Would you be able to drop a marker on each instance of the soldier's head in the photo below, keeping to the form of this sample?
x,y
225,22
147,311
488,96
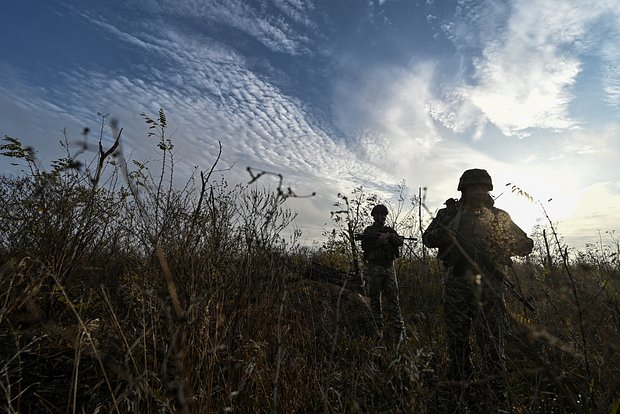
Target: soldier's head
x,y
475,185
379,213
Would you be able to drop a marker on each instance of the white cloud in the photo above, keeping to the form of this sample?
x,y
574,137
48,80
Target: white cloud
x,y
601,142
611,71
389,109
610,53
531,58
298,11
124,36
217,99
275,32
524,77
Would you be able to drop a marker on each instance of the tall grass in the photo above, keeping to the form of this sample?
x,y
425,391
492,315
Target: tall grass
x,y
124,292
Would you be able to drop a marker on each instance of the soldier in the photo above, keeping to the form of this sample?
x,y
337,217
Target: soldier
x,y
381,244
473,294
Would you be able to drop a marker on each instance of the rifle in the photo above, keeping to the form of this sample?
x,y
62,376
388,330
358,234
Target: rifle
x,y
484,263
375,236
360,237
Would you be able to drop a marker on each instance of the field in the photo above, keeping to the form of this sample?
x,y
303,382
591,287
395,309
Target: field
x,y
121,292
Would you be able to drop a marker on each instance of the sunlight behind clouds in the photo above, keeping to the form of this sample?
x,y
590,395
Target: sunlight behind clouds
x,y
597,209
531,190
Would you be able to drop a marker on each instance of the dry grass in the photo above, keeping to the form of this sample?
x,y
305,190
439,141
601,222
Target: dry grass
x,y
123,293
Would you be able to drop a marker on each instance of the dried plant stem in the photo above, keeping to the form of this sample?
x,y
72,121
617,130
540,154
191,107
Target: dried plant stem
x,y
276,378
172,287
580,310
90,340
118,327
338,316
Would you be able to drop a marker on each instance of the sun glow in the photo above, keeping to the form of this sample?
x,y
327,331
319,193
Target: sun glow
x,y
528,198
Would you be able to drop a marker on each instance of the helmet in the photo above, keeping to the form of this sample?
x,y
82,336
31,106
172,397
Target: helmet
x,y
475,176
379,208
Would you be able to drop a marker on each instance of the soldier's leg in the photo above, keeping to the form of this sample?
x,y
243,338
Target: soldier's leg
x,y
374,278
457,308
490,336
392,302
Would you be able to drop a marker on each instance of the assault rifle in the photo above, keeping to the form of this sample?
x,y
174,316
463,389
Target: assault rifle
x,y
484,263
360,237
374,236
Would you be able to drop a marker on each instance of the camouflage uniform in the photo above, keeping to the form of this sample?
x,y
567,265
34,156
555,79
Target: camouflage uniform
x,y
381,276
472,299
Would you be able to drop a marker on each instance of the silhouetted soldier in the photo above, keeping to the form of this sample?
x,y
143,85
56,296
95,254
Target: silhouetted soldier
x,y
380,244
473,292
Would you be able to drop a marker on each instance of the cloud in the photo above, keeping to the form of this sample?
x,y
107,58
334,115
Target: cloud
x,y
270,127
281,32
611,71
23,104
524,77
212,94
610,53
124,36
297,10
531,57
600,142
388,109
209,94
597,209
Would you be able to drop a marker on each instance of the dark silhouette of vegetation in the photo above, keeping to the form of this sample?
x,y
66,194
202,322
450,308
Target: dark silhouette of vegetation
x,y
123,292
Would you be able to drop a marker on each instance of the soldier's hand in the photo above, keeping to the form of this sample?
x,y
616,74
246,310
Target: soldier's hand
x,y
384,238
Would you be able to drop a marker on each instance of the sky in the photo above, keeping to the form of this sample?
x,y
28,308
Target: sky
x,y
337,94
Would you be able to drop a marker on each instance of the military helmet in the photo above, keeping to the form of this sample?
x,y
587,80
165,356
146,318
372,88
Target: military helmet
x,y
379,208
475,176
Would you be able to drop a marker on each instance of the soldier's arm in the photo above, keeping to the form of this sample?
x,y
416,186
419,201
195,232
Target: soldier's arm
x,y
395,239
523,244
434,234
520,244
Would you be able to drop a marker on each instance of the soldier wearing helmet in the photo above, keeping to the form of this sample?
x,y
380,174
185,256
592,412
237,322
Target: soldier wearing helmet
x,y
475,176
473,298
381,244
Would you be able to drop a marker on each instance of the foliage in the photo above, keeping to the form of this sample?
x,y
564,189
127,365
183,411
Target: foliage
x,y
123,292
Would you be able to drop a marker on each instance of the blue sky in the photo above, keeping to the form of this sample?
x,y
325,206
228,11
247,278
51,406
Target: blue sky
x,y
338,94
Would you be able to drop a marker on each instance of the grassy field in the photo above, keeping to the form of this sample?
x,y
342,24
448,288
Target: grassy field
x,y
121,292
